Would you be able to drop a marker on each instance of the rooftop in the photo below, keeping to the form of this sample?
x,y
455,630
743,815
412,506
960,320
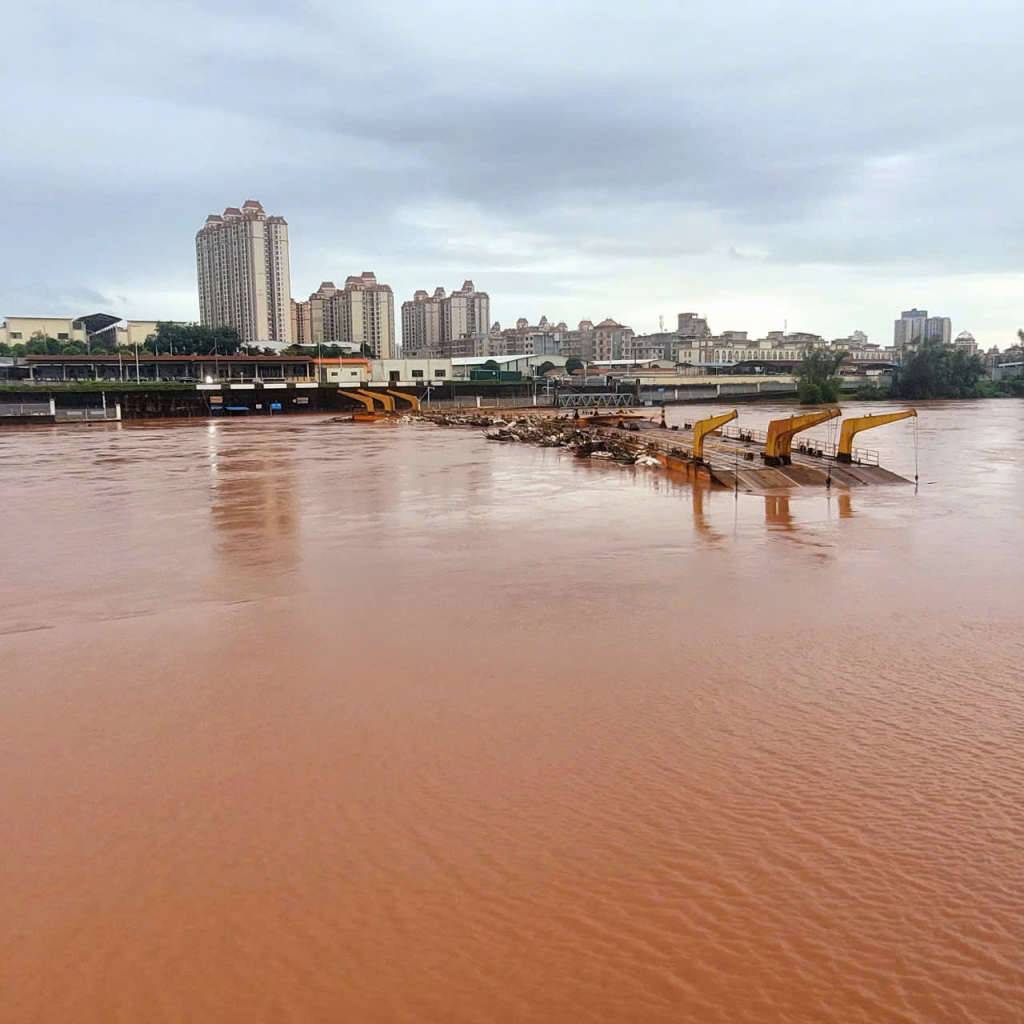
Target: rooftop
x,y
500,360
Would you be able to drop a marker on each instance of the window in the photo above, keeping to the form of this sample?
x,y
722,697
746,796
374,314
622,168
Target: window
x,y
15,334
439,373
62,337
417,373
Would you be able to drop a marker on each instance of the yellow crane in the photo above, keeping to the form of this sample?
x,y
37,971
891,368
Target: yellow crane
x,y
413,401
386,400
779,445
704,427
858,423
358,396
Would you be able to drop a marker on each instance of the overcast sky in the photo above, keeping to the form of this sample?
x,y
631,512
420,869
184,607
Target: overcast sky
x,y
817,163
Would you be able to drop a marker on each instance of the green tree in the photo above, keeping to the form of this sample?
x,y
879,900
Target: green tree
x,y
490,365
545,368
41,345
192,340
103,345
73,348
5,349
573,364
936,370
818,375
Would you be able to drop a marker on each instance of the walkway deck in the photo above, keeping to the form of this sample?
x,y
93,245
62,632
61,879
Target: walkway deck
x,y
728,464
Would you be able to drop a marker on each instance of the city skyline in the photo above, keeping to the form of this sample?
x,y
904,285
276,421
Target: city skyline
x,y
562,184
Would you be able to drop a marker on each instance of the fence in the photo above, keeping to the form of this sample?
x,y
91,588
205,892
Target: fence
x,y
804,445
88,415
474,402
25,409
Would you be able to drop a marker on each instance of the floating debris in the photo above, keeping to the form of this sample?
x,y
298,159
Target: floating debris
x,y
545,432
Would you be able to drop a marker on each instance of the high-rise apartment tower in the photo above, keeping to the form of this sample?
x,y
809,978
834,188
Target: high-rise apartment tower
x,y
243,273
434,323
363,312
915,325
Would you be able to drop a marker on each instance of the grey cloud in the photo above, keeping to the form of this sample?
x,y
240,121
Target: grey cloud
x,y
624,149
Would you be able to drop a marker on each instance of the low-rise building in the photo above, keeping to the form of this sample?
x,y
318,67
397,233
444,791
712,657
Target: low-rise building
x,y
199,370
343,372
527,365
114,331
411,371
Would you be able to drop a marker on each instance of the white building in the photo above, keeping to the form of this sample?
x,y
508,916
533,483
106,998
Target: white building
x,y
243,273
410,371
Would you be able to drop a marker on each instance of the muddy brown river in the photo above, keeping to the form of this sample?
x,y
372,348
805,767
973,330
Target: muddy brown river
x,y
319,723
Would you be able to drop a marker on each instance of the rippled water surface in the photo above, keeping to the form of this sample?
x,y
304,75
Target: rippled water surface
x,y
309,722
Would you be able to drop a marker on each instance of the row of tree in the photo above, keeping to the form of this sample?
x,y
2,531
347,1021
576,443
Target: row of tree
x,y
938,371
168,339
934,370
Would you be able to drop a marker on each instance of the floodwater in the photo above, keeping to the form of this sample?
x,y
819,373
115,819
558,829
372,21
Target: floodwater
x,y
308,722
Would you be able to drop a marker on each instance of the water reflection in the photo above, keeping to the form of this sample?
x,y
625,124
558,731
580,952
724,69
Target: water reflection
x,y
777,513
700,516
254,505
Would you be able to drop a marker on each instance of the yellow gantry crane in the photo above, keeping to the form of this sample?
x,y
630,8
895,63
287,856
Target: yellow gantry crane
x,y
858,423
704,427
779,445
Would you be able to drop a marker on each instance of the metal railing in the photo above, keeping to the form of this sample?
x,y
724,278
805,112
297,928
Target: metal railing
x,y
25,409
85,415
801,444
470,402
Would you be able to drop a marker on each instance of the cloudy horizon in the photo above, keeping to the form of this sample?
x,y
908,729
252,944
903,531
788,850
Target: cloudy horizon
x,y
823,168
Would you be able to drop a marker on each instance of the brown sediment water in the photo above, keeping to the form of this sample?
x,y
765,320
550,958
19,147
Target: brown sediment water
x,y
309,722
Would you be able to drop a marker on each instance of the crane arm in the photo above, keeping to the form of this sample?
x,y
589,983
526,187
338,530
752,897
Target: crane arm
x,y
358,396
386,400
856,424
780,434
704,427
413,401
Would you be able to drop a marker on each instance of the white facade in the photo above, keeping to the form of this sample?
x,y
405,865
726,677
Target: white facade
x,y
243,271
410,371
